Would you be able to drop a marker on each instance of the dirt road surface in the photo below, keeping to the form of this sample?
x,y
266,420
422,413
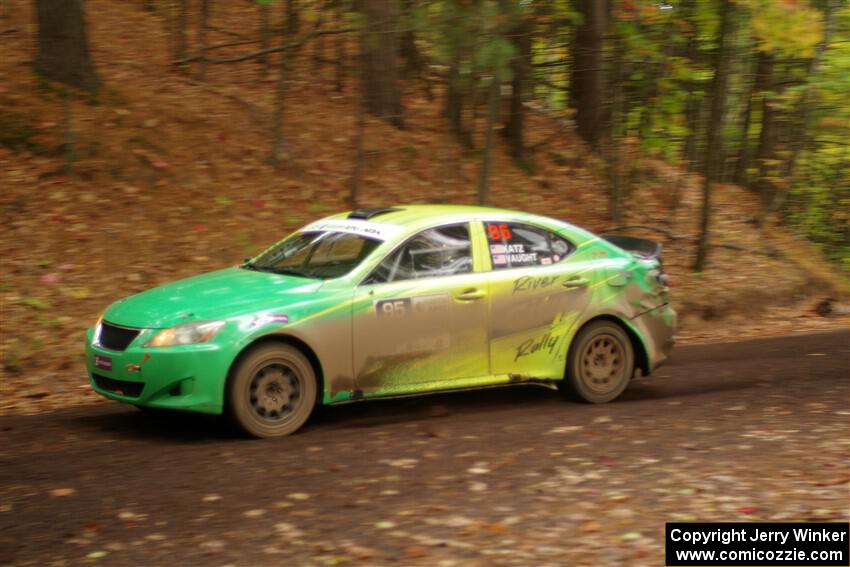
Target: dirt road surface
x,y
747,431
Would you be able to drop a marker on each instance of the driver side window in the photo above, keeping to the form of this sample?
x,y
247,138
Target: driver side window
x,y
441,251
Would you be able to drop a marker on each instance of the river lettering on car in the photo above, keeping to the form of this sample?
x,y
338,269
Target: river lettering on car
x,y
531,283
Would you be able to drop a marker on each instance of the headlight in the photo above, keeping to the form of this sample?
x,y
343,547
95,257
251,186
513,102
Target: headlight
x,y
186,334
97,327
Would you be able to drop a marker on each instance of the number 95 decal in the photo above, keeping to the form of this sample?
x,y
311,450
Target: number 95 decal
x,y
393,307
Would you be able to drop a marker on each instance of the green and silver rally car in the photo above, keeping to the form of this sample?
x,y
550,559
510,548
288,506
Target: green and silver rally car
x,y
391,302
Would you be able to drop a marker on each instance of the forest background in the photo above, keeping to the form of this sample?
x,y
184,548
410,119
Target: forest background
x,y
149,140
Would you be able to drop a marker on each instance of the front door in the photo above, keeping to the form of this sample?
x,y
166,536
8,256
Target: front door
x,y
420,319
537,293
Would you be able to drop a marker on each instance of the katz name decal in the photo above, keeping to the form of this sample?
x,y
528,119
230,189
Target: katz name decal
x,y
512,253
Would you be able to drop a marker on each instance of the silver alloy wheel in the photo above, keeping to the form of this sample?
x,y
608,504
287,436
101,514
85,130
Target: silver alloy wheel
x,y
272,390
275,392
602,363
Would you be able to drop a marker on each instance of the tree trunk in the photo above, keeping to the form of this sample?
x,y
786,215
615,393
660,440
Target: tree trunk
x,y
693,103
69,142
63,51
292,22
766,153
743,161
487,152
521,67
615,116
318,53
287,59
264,39
339,43
656,74
714,141
202,38
803,124
180,25
455,100
379,60
359,137
413,64
277,120
587,80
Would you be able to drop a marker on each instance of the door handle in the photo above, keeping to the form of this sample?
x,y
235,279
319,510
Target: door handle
x,y
471,294
576,282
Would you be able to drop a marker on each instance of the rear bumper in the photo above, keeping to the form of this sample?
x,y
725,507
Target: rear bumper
x,y
658,327
190,378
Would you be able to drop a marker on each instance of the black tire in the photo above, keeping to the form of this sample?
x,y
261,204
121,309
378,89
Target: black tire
x,y
600,364
272,391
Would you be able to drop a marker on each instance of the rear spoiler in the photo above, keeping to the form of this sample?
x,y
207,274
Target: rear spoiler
x,y
641,248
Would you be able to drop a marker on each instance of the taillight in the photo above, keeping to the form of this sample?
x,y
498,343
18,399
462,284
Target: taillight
x,y
660,277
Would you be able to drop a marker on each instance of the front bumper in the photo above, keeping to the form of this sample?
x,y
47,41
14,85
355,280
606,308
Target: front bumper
x,y
188,377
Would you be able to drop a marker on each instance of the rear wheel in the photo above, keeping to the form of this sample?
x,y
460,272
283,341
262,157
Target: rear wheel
x,y
272,391
600,364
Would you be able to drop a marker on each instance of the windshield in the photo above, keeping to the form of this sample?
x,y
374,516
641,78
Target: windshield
x,y
315,254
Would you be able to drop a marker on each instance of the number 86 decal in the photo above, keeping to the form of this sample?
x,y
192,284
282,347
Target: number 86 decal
x,y
499,232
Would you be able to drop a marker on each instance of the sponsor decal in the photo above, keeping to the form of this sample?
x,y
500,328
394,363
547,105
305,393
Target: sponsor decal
x,y
377,230
503,254
103,362
507,248
547,342
393,307
525,259
404,306
499,231
424,344
271,319
531,283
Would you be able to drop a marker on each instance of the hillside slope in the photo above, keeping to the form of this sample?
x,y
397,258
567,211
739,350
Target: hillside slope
x,y
172,179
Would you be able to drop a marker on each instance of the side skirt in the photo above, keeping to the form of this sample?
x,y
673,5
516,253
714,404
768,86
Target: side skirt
x,y
358,395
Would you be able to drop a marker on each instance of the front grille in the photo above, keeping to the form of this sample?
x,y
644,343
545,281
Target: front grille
x,y
116,338
129,389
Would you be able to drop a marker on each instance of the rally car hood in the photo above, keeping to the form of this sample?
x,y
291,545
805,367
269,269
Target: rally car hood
x,y
214,295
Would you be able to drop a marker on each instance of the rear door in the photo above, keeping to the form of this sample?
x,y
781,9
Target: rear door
x,y
537,293
420,318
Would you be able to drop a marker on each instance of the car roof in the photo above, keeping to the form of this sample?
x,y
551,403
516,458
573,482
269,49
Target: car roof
x,y
414,217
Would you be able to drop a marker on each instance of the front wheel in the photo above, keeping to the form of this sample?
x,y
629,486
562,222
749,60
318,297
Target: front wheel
x,y
600,364
272,391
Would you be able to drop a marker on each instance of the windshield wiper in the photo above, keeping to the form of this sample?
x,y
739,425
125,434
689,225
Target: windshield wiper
x,y
288,272
279,271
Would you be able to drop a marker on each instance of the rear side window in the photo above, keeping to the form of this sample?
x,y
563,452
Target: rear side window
x,y
441,251
516,245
